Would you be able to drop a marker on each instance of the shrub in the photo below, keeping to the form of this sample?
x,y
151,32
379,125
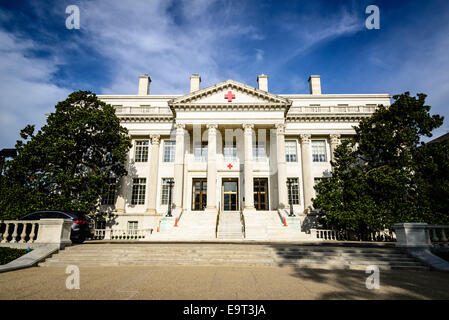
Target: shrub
x,y
9,254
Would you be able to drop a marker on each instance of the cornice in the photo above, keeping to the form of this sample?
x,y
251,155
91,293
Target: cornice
x,y
233,107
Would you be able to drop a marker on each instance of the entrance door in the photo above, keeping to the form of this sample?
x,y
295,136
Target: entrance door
x,y
199,194
261,193
230,195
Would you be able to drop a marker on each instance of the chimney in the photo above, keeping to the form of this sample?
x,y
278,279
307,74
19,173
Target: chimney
x,y
144,85
262,81
195,80
315,84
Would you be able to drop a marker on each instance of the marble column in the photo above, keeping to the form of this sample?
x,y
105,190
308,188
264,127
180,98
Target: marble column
x,y
281,167
152,179
120,203
179,166
211,167
248,167
335,140
306,164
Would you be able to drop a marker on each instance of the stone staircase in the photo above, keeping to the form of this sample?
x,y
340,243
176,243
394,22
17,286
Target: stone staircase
x,y
192,225
298,255
268,226
230,226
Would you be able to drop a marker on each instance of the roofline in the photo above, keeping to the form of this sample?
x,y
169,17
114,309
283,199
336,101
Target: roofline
x,y
339,95
141,97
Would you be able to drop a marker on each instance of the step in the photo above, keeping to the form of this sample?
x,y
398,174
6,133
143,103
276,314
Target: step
x,y
229,254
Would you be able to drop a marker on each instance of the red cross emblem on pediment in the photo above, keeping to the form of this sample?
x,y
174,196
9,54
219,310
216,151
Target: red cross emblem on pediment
x,y
229,96
229,166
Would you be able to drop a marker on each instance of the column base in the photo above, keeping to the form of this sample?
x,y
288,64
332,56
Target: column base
x,y
211,210
249,210
151,212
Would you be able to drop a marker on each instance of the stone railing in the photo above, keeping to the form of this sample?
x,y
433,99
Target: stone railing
x,y
335,109
335,235
323,234
438,235
24,231
99,234
121,234
44,231
421,235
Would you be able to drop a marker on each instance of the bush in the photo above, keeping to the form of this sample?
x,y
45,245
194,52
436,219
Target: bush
x,y
9,254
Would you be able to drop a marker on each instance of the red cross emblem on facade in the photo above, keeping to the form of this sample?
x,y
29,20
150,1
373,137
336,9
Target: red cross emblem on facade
x,y
229,96
229,166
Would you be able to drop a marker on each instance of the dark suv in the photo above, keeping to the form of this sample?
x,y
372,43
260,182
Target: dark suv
x,y
80,226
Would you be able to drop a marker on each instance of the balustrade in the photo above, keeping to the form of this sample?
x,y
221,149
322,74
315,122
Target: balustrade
x,y
437,235
18,231
335,235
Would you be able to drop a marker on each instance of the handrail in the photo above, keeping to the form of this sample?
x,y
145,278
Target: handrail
x,y
242,220
218,218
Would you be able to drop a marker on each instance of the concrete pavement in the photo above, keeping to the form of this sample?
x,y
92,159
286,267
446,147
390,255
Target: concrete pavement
x,y
219,282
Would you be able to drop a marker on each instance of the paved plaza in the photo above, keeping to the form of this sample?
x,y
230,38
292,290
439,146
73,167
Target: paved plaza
x,y
220,282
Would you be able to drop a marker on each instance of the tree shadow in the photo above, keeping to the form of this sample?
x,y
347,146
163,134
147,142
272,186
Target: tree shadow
x,y
340,282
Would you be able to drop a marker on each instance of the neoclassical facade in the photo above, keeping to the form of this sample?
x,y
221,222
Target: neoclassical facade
x,y
229,147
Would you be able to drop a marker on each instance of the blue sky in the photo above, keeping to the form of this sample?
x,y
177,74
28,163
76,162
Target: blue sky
x,y
41,61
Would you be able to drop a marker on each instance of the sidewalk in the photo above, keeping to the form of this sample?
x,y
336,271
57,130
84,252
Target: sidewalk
x,y
219,282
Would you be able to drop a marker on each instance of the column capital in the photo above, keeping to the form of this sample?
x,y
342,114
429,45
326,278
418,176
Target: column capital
x,y
305,138
155,138
280,128
180,126
212,126
248,126
334,138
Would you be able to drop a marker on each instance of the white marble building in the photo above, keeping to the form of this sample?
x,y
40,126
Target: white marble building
x,y
229,147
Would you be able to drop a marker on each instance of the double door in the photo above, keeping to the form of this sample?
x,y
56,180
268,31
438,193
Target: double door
x,y
199,194
261,193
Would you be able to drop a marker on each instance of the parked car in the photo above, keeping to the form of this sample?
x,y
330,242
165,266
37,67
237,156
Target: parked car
x,y
80,227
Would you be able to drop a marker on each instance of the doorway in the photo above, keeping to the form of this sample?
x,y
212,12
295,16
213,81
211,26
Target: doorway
x,y
261,193
230,194
199,194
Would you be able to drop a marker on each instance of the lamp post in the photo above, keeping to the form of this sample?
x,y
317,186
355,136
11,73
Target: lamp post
x,y
170,187
290,200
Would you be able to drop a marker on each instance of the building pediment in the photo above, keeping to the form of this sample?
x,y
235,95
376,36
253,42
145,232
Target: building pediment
x,y
229,94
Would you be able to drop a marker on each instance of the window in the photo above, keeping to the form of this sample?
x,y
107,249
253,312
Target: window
x,y
259,151
165,188
138,195
200,151
109,187
319,151
290,151
293,190
230,150
169,151
132,227
141,154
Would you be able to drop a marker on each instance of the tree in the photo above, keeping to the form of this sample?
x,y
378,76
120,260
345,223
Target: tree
x,y
66,164
383,174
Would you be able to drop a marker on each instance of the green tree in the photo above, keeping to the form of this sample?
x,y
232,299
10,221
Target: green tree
x,y
66,164
384,175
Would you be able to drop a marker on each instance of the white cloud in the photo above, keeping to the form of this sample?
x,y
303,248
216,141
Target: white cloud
x,y
259,55
26,91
